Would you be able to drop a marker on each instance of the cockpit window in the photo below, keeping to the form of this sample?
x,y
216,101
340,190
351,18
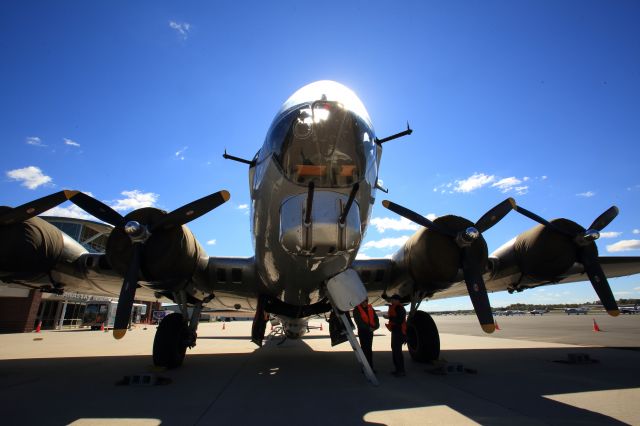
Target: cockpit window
x,y
324,143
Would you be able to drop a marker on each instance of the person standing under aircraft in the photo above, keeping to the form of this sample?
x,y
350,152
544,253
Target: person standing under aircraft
x,y
367,322
398,326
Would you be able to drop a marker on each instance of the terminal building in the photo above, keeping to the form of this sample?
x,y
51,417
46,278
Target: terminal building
x,y
22,308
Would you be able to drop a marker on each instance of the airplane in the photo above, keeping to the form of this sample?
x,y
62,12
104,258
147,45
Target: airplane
x,y
312,185
630,309
577,311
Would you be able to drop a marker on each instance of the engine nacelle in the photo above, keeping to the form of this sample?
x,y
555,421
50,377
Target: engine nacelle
x,y
29,249
170,256
545,254
432,258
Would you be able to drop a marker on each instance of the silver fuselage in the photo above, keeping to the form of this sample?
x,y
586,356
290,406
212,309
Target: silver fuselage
x,y
293,258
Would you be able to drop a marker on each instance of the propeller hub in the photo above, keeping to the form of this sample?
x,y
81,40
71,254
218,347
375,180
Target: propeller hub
x,y
471,233
136,231
591,235
467,237
132,228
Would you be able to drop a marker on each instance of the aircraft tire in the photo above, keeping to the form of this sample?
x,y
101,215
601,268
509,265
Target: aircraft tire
x,y
169,345
423,339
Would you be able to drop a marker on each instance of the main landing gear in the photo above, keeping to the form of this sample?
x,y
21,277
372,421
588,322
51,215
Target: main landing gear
x,y
423,339
171,341
175,334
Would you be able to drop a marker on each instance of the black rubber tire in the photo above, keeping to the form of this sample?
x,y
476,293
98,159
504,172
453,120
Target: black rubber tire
x,y
169,344
423,339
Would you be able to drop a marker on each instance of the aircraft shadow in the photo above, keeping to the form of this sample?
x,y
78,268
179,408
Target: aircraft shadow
x,y
281,383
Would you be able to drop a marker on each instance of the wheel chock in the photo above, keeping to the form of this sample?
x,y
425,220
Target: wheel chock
x,y
448,368
578,358
144,379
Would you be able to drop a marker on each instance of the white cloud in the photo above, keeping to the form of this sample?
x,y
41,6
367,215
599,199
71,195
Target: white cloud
x,y
521,190
473,182
243,206
479,180
624,245
386,243
180,153
70,142
363,256
636,288
507,184
34,140
610,234
401,224
587,194
181,28
636,231
135,200
69,211
211,242
31,177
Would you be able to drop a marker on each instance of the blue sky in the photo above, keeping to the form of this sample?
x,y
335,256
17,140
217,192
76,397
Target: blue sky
x,y
136,101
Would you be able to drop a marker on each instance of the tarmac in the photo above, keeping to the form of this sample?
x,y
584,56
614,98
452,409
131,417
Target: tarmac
x,y
518,375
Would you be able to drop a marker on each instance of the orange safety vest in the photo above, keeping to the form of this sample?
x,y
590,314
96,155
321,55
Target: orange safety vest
x,y
368,316
392,313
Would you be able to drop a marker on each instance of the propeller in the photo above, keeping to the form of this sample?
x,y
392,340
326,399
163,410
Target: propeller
x,y
471,265
584,241
139,233
35,207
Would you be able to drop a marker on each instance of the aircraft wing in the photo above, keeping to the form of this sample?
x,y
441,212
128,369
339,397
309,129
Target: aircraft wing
x,y
386,276
377,276
44,257
501,281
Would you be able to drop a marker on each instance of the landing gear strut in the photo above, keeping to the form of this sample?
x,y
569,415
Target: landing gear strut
x,y
176,333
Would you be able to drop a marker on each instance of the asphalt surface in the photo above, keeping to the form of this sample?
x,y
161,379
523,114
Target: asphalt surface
x,y
71,378
620,331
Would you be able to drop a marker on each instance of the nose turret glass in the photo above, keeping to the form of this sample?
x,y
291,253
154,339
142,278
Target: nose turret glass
x,y
324,143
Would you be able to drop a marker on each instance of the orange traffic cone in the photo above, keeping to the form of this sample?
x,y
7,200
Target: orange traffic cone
x,y
39,327
101,326
595,326
497,326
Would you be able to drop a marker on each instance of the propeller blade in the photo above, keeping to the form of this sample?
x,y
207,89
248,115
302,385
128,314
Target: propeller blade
x,y
532,215
477,292
599,282
127,294
97,209
542,221
192,211
604,219
495,215
416,218
35,207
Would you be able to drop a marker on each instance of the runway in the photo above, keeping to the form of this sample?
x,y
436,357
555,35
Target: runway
x,y
69,377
